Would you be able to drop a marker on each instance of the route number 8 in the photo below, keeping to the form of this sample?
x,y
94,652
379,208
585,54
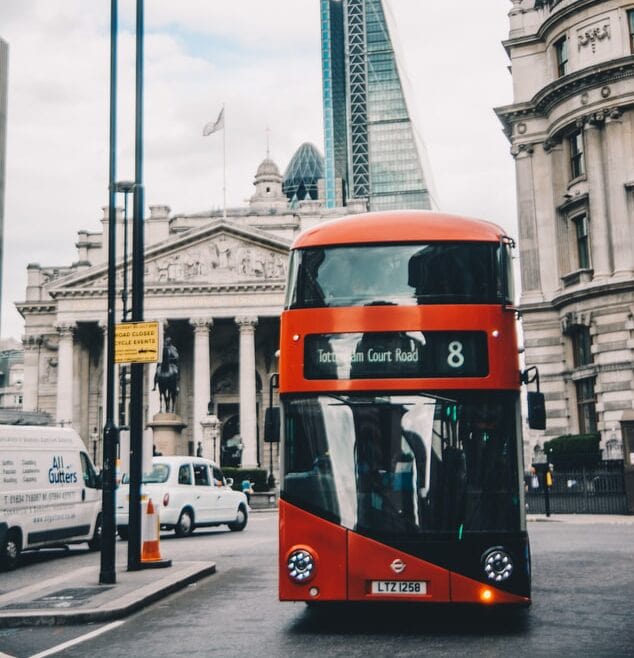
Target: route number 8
x,y
456,357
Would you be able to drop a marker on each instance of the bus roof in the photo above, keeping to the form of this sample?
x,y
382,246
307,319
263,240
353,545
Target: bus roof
x,y
398,226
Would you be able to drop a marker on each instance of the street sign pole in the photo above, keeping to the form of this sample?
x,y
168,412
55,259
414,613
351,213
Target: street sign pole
x,y
107,573
136,396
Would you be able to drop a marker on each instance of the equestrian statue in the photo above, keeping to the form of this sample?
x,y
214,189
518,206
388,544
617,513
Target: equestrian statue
x,y
167,376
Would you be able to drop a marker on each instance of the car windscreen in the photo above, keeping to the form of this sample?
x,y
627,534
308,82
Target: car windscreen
x,y
398,274
159,474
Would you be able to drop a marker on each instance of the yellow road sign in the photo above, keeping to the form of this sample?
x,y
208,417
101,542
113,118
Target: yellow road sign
x,y
136,342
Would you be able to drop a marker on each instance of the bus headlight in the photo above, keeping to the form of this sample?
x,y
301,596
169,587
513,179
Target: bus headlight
x,y
497,564
301,565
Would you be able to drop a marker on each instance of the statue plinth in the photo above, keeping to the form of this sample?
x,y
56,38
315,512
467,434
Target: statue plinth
x,y
166,430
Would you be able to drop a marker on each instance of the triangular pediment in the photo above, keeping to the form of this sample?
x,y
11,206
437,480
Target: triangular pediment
x,y
220,253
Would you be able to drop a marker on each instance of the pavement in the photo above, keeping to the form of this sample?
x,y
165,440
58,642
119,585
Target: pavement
x,y
583,519
77,597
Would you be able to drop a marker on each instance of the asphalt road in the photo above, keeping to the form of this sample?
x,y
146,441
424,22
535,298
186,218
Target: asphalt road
x,y
583,592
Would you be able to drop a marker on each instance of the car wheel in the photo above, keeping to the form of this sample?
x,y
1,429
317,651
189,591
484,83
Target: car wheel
x,y
10,554
122,531
241,520
185,524
94,544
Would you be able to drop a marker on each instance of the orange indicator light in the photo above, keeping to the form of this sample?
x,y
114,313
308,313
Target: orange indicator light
x,y
486,595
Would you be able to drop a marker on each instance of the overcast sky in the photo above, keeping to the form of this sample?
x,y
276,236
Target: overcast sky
x,y
261,58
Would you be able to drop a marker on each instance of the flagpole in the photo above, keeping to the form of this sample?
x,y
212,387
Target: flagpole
x,y
224,165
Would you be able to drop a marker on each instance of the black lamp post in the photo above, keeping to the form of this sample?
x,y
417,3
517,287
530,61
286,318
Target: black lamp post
x,y
107,572
125,187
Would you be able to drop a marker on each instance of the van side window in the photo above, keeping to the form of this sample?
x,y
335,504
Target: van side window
x,y
185,474
201,475
88,472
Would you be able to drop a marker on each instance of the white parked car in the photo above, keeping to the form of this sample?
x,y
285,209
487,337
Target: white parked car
x,y
189,492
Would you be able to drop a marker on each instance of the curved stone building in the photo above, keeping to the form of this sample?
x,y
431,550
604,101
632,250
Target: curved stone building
x,y
571,128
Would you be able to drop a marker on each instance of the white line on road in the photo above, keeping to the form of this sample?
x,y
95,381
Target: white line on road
x,y
78,640
5,655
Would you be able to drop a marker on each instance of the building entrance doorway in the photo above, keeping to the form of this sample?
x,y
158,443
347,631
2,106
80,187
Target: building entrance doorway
x,y
230,442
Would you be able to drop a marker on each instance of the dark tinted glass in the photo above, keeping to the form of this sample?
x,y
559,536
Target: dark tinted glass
x,y
407,274
405,464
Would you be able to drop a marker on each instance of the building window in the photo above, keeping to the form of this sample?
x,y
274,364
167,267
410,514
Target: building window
x,y
581,346
583,241
630,22
586,405
561,51
577,161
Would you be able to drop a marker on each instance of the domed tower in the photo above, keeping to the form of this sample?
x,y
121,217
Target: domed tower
x,y
268,197
303,173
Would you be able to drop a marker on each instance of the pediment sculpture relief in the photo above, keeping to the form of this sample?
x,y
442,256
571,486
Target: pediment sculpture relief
x,y
222,260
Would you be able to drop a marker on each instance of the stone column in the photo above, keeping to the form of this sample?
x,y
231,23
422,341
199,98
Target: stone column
x,y
64,414
527,222
618,136
153,398
599,229
32,345
104,380
202,384
248,416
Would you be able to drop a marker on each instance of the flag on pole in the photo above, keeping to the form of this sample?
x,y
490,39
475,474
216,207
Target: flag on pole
x,y
214,126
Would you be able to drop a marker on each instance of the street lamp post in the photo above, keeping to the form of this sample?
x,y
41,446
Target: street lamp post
x,y
211,427
125,187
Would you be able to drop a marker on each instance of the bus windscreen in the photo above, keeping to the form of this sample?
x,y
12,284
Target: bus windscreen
x,y
399,274
404,464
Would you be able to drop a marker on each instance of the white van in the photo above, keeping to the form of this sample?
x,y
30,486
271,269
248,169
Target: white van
x,y
49,491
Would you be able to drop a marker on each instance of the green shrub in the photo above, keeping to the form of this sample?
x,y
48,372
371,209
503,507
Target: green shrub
x,y
257,475
573,450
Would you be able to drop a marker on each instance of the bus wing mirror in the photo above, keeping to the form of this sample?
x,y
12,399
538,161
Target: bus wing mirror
x,y
535,399
536,410
272,425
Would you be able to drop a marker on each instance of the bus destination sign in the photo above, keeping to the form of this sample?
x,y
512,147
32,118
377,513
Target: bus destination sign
x,y
398,354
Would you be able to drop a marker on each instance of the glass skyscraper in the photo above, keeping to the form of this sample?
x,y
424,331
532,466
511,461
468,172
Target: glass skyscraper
x,y
370,145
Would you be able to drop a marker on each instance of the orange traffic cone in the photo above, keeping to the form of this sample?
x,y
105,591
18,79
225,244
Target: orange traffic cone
x,y
150,549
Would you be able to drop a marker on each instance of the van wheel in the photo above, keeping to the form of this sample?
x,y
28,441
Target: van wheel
x,y
185,524
241,520
94,544
10,554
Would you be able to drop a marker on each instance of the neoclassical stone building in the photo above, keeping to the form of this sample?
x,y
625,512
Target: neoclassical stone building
x,y
216,286
571,128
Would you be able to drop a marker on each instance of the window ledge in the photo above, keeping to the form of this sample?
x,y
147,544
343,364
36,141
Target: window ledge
x,y
577,179
579,276
584,372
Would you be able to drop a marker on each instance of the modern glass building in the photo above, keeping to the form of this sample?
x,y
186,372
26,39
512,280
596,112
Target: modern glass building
x,y
370,142
301,178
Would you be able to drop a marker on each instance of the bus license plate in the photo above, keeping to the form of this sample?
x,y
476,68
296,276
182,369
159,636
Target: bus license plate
x,y
399,587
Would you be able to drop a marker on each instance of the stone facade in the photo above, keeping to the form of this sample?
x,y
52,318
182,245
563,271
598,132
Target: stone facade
x,y
216,286
571,129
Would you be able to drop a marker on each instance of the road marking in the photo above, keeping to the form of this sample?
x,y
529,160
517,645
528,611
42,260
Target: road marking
x,y
78,640
5,655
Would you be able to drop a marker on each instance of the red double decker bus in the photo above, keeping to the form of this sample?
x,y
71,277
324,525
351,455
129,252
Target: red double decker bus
x,y
401,471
